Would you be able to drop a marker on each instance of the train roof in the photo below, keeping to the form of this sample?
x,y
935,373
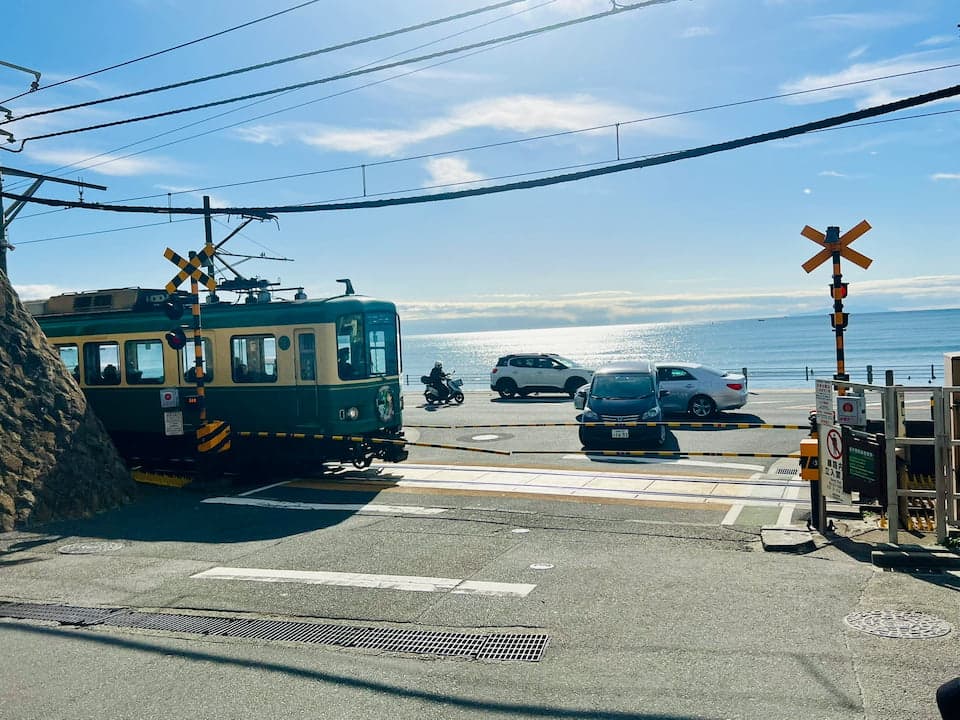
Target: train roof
x,y
142,308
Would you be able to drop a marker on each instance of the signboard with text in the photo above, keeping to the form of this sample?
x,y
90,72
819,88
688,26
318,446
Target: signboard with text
x,y
825,405
864,465
831,463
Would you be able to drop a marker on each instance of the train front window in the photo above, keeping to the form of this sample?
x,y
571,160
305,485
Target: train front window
x,y
253,358
367,345
70,355
143,362
101,362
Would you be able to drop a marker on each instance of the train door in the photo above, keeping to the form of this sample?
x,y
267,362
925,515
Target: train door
x,y
306,374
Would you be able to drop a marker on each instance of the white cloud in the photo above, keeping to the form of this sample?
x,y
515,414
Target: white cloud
x,y
856,52
807,191
449,171
937,40
861,21
523,114
832,173
866,94
945,176
38,292
104,164
697,31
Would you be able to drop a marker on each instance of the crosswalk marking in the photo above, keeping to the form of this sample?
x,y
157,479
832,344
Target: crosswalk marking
x,y
341,507
409,583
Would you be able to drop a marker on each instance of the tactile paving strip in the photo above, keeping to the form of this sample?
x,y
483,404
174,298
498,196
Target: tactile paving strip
x,y
526,647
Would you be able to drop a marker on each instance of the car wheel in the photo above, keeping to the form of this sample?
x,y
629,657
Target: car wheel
x,y
507,388
702,407
574,384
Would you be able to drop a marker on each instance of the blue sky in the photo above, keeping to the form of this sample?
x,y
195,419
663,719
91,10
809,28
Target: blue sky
x,y
709,238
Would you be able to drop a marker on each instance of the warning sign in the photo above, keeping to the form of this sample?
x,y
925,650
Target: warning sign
x,y
831,464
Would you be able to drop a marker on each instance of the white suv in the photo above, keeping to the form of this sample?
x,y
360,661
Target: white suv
x,y
526,373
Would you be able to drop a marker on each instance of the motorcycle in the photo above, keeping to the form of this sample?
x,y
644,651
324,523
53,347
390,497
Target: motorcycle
x,y
452,385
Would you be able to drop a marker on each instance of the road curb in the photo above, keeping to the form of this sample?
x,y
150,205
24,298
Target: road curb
x,y
933,558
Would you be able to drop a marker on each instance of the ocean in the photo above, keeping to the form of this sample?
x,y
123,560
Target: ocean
x,y
785,352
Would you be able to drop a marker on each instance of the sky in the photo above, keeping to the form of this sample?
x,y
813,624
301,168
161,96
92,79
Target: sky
x,y
708,238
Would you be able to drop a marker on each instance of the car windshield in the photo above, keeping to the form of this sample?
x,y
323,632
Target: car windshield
x,y
623,385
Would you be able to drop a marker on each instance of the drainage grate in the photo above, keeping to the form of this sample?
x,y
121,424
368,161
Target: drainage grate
x,y
898,624
529,648
504,646
65,614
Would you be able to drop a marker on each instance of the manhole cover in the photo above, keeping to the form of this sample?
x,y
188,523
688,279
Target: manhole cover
x,y
89,548
898,624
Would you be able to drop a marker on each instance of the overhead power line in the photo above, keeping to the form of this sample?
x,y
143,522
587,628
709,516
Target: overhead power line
x,y
664,159
617,9
271,63
162,52
486,146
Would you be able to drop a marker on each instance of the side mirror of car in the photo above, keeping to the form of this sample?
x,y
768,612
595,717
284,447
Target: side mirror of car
x,y
579,400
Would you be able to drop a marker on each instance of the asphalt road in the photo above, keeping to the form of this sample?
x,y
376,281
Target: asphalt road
x,y
652,609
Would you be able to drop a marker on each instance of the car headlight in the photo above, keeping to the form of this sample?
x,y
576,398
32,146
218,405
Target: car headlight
x,y
651,413
350,413
590,416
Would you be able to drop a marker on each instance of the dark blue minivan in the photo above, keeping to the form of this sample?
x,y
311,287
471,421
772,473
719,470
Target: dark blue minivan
x,y
622,392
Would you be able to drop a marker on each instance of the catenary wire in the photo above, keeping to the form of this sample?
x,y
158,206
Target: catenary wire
x,y
343,76
162,52
718,106
290,107
271,63
500,177
701,151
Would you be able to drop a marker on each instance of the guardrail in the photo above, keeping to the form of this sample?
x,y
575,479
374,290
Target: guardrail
x,y
774,375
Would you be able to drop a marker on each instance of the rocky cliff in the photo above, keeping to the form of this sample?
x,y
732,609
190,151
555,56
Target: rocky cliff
x,y
56,460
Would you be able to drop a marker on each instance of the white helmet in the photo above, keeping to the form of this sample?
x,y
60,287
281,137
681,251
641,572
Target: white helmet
x,y
438,364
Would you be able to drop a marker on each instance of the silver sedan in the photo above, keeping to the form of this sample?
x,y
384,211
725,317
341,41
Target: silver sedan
x,y
699,390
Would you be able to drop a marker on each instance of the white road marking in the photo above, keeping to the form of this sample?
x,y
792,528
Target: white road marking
x,y
643,460
786,511
408,583
343,507
261,489
732,514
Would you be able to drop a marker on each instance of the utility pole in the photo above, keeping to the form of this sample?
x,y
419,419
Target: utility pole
x,y
7,216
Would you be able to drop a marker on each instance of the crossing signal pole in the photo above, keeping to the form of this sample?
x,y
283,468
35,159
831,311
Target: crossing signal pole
x,y
836,246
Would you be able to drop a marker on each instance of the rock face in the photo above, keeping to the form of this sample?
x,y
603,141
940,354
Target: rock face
x,y
56,459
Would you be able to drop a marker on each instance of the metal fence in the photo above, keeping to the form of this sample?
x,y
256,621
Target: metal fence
x,y
777,376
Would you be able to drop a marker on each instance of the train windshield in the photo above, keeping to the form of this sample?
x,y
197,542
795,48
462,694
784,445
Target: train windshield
x,y
367,345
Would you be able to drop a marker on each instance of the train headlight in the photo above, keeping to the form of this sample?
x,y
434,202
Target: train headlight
x,y
351,413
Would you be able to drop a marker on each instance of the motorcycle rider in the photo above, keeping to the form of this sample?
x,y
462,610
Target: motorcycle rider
x,y
437,378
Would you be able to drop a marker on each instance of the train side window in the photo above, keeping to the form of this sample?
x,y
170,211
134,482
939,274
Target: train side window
x,y
143,362
188,359
253,358
70,356
100,363
306,346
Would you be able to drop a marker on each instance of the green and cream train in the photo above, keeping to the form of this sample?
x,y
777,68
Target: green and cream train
x,y
299,383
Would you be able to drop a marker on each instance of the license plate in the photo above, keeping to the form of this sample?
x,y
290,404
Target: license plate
x,y
619,433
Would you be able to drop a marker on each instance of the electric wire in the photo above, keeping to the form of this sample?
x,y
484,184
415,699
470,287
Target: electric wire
x,y
290,107
444,185
271,63
617,9
679,113
701,151
162,52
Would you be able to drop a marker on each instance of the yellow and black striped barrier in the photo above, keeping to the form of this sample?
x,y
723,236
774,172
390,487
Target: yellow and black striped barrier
x,y
373,441
695,425
213,437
